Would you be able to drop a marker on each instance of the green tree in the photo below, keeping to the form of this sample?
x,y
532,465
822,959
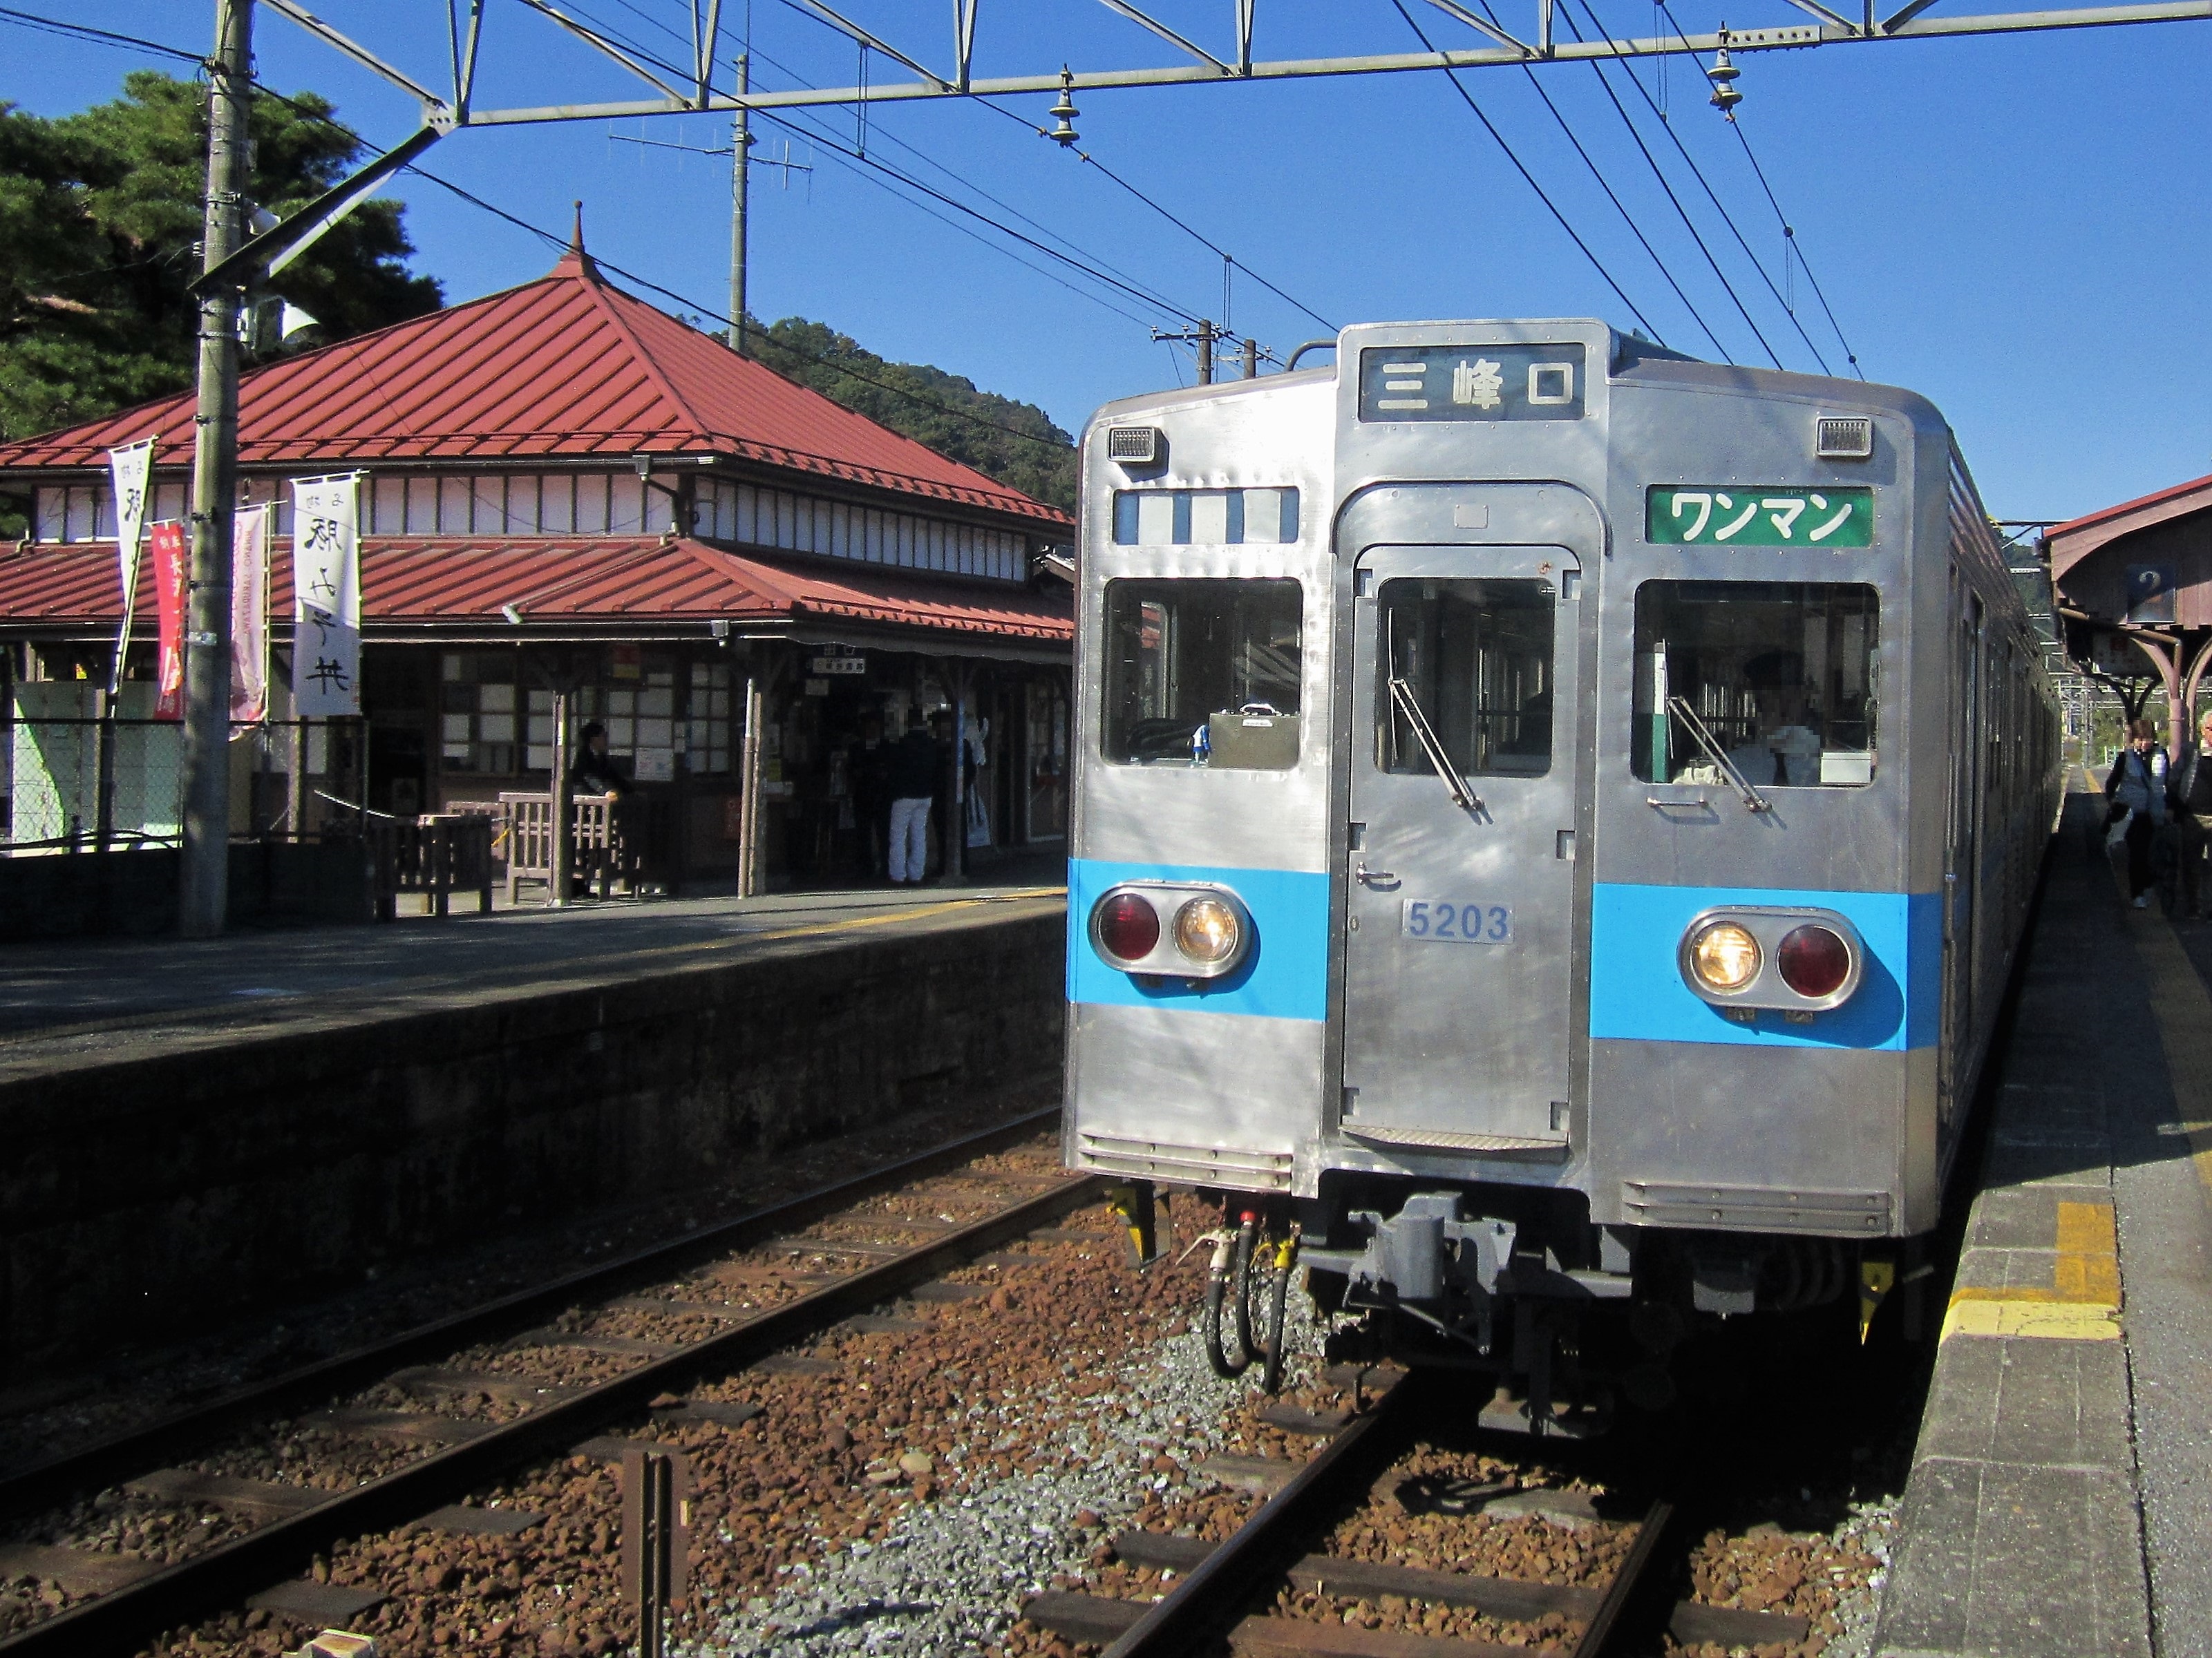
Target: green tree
x,y
1041,464
100,214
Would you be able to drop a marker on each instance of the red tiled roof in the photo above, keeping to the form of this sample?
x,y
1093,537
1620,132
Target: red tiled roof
x,y
408,582
2075,539
564,366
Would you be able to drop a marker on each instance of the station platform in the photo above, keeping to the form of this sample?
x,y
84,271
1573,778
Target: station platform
x,y
195,1129
98,995
2060,1493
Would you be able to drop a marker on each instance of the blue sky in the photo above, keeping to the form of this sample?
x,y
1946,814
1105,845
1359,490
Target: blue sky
x,y
2017,227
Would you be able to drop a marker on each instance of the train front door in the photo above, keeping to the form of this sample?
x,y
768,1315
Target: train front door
x,y
1458,957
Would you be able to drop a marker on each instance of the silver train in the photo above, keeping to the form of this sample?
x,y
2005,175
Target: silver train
x,y
1553,820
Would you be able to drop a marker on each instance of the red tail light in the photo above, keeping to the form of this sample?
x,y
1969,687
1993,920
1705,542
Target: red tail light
x,y
1814,961
1125,927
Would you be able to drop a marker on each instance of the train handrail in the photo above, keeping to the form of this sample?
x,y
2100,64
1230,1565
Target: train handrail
x,y
1311,345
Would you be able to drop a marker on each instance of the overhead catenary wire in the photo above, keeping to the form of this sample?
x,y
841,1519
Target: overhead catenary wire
x,y
1635,229
814,125
1166,213
1792,247
860,157
1528,177
1696,235
1690,161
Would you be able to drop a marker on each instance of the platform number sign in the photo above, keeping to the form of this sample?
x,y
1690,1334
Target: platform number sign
x,y
1757,515
2151,591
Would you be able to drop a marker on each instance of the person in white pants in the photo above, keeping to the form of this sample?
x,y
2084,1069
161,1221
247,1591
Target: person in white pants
x,y
910,848
914,770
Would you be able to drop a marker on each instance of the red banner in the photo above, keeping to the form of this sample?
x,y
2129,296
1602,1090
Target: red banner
x,y
167,543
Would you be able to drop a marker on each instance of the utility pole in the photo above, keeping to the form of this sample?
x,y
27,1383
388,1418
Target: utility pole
x,y
204,876
741,145
1251,360
1203,337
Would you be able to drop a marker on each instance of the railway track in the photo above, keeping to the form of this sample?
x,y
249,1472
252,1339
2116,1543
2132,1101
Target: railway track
x,y
501,1394
1221,1590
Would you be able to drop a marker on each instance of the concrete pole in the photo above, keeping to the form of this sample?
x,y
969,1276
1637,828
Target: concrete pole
x,y
563,828
1206,352
1251,360
741,145
749,780
203,881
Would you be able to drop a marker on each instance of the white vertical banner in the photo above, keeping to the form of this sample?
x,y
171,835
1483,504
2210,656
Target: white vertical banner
x,y
249,615
128,469
326,597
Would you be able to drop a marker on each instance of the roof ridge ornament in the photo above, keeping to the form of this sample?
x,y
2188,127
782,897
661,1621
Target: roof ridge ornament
x,y
582,261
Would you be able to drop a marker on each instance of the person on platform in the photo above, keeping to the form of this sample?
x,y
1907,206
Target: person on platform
x,y
2189,802
915,771
867,768
595,771
2137,785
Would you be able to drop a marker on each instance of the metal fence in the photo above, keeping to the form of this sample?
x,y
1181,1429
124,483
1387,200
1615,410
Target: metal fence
x,y
68,785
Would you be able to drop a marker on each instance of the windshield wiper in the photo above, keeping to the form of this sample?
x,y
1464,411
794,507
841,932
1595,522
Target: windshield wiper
x,y
1753,799
1425,733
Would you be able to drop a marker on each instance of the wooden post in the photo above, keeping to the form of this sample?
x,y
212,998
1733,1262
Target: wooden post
x,y
562,831
751,770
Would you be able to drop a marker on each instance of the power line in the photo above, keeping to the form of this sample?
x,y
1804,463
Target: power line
x,y
1629,218
1791,246
1530,178
97,36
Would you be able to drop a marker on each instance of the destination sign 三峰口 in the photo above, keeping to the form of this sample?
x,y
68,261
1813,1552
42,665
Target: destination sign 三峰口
x,y
1758,515
1472,382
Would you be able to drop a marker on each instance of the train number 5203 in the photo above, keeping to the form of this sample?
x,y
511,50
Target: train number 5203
x,y
1444,922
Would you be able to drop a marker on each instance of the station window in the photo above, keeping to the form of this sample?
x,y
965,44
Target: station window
x,y
1473,659
1779,675
1208,518
1203,673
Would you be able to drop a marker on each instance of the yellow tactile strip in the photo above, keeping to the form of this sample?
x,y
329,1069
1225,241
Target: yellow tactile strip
x,y
2081,1303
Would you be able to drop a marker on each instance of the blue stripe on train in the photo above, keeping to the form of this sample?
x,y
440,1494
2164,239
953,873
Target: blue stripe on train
x,y
1637,992
1285,977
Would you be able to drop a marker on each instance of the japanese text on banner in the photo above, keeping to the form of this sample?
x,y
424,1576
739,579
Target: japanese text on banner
x,y
249,615
326,588
166,542
128,469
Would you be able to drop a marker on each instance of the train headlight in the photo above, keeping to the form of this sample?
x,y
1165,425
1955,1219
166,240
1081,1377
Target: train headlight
x,y
1814,961
1724,956
1125,927
1208,930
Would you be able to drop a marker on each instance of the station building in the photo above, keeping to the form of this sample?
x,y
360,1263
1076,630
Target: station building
x,y
2134,586
566,486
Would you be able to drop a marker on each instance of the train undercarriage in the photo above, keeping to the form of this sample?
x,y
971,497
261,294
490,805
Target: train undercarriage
x,y
1565,1322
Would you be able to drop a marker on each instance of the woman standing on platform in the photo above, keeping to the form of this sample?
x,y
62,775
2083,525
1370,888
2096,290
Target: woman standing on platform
x,y
2137,786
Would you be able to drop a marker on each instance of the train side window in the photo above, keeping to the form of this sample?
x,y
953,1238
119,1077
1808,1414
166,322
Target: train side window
x,y
1781,675
1474,658
1202,672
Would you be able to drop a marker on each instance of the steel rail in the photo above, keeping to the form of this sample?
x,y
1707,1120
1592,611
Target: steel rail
x,y
1610,1627
121,1620
1216,1588
164,1440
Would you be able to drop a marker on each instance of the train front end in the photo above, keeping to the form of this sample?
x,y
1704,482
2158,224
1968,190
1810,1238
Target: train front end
x,y
1553,880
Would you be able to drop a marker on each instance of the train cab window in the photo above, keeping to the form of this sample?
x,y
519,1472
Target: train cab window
x,y
1778,677
1473,661
1203,673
